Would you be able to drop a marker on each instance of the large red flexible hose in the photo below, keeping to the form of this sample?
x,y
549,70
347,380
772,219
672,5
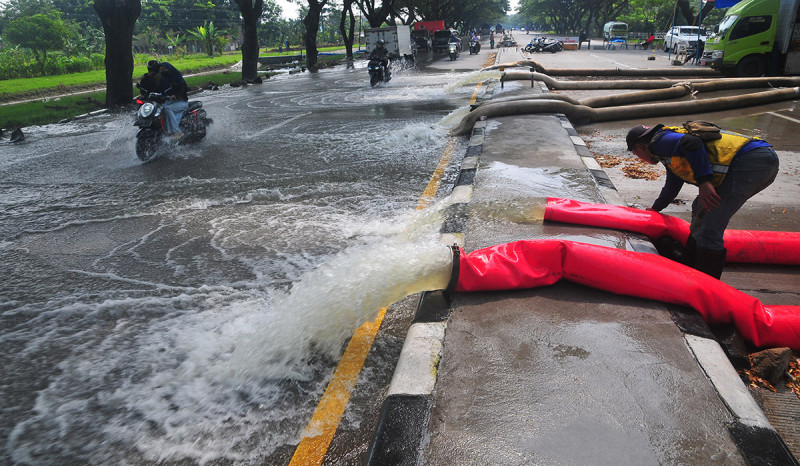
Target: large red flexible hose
x,y
760,247
529,264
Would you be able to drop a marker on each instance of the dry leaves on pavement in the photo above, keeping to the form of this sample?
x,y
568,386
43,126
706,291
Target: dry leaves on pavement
x,y
631,167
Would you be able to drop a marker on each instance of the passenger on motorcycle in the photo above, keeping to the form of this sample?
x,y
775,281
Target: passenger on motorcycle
x,y
173,85
476,37
149,81
381,53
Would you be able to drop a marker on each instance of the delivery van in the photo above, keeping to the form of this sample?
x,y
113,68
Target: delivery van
x,y
615,30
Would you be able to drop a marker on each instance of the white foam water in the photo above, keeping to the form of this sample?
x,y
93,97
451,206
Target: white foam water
x,y
215,372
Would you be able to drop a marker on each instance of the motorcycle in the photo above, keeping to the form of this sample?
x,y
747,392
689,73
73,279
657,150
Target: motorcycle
x,y
544,44
453,50
474,47
378,73
552,46
150,118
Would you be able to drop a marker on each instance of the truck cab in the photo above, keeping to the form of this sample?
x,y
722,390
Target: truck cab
x,y
756,36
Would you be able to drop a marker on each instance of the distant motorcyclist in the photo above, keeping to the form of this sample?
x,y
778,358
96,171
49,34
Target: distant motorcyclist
x,y
381,53
454,39
173,85
476,37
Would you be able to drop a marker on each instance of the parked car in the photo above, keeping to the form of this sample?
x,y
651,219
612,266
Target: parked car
x,y
680,34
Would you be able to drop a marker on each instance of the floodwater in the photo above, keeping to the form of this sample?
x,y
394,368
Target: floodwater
x,y
192,308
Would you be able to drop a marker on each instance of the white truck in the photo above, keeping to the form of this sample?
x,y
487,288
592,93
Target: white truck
x,y
397,38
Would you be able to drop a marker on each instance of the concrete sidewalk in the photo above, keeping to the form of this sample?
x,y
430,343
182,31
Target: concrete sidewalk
x,y
563,374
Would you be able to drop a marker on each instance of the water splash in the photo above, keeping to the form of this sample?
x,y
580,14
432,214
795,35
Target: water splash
x,y
216,372
472,78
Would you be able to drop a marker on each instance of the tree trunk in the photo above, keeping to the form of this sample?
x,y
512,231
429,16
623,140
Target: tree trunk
x,y
251,12
344,28
686,11
118,18
311,23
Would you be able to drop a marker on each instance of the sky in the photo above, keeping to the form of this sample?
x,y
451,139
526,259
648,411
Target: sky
x,y
290,9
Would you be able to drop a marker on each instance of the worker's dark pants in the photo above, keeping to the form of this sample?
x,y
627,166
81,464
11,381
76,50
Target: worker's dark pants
x,y
749,173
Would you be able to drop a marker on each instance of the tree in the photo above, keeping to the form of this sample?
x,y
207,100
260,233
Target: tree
x,y
176,40
118,18
311,25
274,30
79,11
347,27
251,12
39,33
13,9
376,15
207,34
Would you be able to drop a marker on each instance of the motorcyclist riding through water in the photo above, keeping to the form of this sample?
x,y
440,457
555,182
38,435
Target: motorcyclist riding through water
x,y
381,53
171,83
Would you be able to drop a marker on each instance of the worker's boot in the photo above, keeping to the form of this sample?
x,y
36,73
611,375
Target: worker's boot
x,y
689,252
669,248
710,262
674,250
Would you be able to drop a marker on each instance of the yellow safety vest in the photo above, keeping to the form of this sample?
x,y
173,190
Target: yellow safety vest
x,y
720,154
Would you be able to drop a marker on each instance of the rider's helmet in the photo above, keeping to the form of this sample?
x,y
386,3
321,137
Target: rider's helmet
x,y
153,65
380,42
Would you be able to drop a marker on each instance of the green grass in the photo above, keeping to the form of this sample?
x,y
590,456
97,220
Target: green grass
x,y
187,65
36,113
191,64
53,110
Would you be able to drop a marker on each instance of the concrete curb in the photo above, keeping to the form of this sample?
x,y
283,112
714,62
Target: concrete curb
x,y
403,421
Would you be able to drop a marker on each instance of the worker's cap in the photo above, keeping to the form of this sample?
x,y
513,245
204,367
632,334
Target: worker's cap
x,y
153,65
638,133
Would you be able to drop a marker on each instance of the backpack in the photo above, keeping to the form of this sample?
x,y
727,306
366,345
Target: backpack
x,y
703,129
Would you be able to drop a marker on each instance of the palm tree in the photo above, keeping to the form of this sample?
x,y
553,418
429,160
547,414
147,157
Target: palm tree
x,y
207,35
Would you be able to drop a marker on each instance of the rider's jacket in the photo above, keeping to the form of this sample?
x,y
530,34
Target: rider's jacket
x,y
379,53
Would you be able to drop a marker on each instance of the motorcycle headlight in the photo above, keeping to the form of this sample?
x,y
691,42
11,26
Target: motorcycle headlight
x,y
146,109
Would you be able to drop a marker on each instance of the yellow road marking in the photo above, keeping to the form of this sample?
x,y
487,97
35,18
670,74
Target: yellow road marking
x,y
475,93
320,430
436,179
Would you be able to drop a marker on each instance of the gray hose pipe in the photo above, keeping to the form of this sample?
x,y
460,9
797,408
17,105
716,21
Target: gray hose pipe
x,y
679,89
654,72
553,83
629,112
521,107
582,114
725,83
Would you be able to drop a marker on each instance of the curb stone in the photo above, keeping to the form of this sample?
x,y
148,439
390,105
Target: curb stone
x,y
403,421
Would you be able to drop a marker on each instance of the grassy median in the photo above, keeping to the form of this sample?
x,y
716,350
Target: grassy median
x,y
54,102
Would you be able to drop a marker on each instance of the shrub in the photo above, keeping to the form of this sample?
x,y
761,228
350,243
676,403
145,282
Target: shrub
x,y
18,63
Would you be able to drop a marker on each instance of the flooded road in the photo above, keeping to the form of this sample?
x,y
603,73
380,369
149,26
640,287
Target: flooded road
x,y
178,310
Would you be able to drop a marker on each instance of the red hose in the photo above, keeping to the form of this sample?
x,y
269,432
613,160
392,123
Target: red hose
x,y
529,264
758,247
